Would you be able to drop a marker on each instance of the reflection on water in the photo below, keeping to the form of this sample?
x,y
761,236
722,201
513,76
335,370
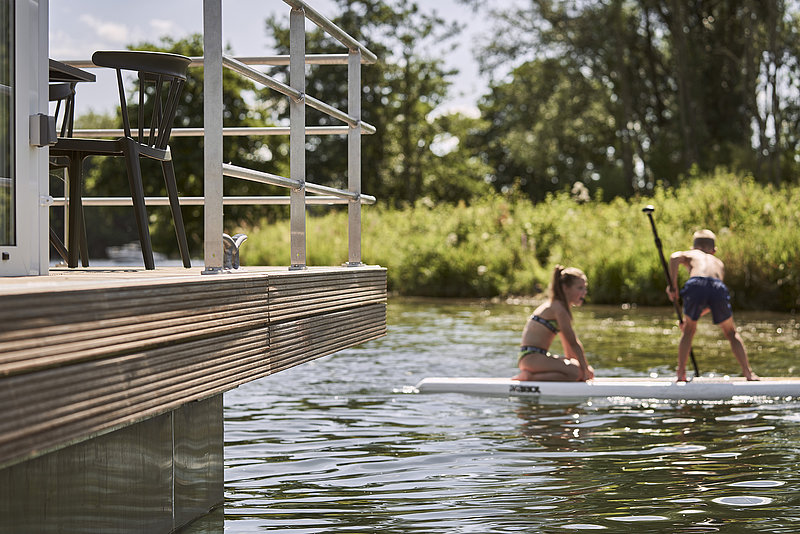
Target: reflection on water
x,y
335,446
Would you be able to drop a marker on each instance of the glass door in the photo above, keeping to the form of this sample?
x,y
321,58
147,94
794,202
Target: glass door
x,y
7,121
23,161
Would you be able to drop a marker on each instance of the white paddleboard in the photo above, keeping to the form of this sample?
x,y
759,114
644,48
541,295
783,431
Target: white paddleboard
x,y
645,388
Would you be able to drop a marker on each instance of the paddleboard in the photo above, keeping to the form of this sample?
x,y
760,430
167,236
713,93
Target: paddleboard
x,y
700,388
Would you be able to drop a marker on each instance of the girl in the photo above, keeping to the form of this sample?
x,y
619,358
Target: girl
x,y
567,288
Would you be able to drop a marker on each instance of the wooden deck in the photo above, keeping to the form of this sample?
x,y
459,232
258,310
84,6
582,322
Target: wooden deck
x,y
83,352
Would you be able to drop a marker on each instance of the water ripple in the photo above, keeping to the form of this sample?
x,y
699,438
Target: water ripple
x,y
743,500
758,484
336,446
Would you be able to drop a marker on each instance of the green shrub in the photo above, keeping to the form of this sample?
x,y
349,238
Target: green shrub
x,y
502,245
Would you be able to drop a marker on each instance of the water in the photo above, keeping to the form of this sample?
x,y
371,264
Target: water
x,y
336,446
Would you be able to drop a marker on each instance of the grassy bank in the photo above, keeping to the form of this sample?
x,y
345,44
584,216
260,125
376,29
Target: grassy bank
x,y
505,245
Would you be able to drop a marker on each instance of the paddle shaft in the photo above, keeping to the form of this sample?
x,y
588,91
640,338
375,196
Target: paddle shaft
x,y
675,303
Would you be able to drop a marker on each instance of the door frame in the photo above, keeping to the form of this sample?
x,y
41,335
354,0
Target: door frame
x,y
30,253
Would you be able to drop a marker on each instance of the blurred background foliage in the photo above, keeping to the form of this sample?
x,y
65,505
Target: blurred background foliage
x,y
593,108
504,244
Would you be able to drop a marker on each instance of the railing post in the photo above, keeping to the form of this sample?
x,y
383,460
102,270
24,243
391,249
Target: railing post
x,y
354,158
212,136
297,137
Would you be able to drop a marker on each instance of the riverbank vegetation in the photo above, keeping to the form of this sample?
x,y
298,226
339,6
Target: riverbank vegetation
x,y
507,245
590,110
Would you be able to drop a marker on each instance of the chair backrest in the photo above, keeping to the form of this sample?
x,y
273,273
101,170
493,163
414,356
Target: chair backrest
x,y
63,94
162,76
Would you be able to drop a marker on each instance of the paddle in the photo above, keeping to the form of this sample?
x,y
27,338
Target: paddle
x,y
649,211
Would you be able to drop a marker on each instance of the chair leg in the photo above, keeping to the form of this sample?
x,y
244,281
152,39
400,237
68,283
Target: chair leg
x,y
131,151
84,244
175,207
58,245
75,214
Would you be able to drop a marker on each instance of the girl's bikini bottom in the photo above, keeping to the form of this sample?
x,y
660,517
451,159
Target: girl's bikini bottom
x,y
526,350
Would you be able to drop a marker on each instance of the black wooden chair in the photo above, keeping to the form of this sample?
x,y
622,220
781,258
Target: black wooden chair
x,y
161,80
63,94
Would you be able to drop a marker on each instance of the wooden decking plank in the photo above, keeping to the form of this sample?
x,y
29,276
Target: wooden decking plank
x,y
277,315
101,335
84,350
289,341
54,315
220,343
319,296
113,351
279,292
84,428
168,391
338,319
103,377
285,347
283,344
123,322
122,398
292,360
324,289
169,397
107,299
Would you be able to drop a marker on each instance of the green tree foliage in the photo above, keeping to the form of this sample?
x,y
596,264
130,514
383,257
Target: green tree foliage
x,y
399,94
548,129
622,93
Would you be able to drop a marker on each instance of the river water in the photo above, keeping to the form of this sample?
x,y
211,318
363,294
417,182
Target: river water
x,y
339,445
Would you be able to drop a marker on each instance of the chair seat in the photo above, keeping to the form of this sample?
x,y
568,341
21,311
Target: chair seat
x,y
67,145
143,61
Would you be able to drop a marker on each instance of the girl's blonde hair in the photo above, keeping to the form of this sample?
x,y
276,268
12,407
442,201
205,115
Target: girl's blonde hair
x,y
563,277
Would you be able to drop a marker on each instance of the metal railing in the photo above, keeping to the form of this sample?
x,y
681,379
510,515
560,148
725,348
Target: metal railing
x,y
213,131
214,61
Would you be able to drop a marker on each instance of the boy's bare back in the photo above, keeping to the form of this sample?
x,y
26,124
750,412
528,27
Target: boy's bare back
x,y
701,263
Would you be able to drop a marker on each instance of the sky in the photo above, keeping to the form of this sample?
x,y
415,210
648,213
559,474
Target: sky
x,y
80,27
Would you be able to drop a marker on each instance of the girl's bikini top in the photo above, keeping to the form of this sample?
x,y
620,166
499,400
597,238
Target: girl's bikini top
x,y
551,325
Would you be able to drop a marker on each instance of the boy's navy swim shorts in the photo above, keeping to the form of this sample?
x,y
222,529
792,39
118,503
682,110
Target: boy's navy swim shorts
x,y
700,292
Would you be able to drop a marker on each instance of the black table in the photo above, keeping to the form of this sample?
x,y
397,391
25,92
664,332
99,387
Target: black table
x,y
61,72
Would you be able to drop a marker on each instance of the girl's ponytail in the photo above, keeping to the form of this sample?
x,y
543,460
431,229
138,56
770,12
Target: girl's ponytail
x,y
564,277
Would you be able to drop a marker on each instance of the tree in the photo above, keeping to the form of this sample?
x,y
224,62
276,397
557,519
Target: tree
x,y
682,83
399,94
453,171
547,129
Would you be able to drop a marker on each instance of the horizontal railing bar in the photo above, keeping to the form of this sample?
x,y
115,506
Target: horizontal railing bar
x,y
325,190
330,110
260,77
337,33
269,61
234,171
324,200
244,173
284,89
283,60
231,131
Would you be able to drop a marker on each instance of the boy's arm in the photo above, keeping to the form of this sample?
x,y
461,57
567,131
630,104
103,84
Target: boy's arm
x,y
676,260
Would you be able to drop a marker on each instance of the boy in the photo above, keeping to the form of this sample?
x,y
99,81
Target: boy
x,y
704,292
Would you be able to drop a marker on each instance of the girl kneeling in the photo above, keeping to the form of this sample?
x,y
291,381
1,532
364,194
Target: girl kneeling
x,y
567,288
